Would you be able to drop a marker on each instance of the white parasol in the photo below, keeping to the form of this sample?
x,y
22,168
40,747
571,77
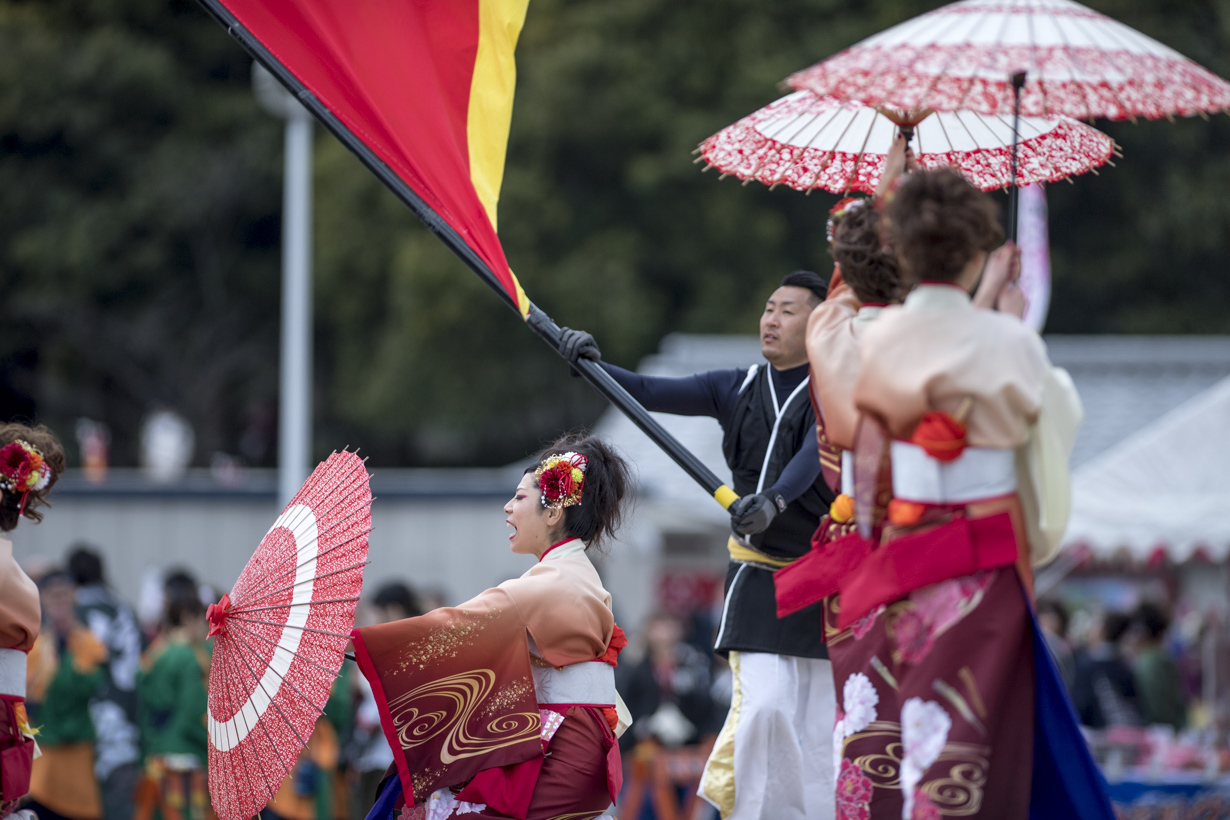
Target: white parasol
x,y
808,142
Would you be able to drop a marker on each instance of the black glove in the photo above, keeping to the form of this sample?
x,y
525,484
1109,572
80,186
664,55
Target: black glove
x,y
754,513
577,344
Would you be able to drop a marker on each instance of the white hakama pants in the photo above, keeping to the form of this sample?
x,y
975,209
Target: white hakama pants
x,y
774,757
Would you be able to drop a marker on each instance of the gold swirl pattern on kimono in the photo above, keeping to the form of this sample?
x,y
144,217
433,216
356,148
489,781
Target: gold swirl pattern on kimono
x,y
882,768
832,610
960,793
419,716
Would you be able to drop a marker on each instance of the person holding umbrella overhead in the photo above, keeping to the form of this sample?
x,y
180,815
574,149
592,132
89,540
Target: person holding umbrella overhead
x,y
977,426
772,758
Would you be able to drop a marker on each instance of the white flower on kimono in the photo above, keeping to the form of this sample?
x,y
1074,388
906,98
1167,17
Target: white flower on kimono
x,y
857,710
443,804
924,731
859,699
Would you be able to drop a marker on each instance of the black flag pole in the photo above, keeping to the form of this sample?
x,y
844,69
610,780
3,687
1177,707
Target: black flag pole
x,y
538,321
1018,83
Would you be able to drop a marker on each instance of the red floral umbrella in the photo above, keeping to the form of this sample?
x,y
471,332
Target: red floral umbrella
x,y
962,56
281,634
809,142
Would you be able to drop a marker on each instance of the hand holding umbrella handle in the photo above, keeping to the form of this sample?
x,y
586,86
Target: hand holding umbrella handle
x,y
1018,84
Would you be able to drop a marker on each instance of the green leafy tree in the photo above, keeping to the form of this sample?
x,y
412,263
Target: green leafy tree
x,y
140,220
140,226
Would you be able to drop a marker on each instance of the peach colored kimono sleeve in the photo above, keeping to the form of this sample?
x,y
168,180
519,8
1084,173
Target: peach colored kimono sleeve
x,y
19,610
565,609
832,350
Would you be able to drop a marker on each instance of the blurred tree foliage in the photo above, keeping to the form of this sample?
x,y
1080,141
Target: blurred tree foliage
x,y
140,198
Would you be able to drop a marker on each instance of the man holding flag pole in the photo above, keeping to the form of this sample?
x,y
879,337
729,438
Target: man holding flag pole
x,y
421,92
773,758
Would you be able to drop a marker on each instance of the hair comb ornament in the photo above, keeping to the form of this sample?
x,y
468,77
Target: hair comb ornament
x,y
22,469
561,478
838,212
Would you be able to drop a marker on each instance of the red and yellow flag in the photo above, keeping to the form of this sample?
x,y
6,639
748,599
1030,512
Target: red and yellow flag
x,y
426,85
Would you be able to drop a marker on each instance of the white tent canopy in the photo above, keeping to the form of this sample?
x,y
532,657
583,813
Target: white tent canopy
x,y
1167,485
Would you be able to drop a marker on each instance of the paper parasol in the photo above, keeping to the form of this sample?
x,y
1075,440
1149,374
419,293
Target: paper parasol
x,y
962,56
281,633
809,142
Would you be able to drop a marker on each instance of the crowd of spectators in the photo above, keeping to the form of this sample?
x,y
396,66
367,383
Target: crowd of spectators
x,y
119,697
1122,671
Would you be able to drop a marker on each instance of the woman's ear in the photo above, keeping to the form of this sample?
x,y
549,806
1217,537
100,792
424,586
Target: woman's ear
x,y
554,517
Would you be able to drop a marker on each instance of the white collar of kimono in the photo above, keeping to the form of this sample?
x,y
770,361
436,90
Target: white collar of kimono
x,y
867,313
565,550
931,297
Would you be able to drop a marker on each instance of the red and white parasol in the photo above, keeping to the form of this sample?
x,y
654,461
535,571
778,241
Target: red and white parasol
x,y
809,142
1078,63
281,634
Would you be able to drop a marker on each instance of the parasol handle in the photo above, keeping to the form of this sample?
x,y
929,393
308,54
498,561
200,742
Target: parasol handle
x,y
907,131
1018,83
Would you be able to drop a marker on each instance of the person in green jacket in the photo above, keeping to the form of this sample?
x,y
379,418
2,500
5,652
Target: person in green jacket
x,y
171,709
1158,686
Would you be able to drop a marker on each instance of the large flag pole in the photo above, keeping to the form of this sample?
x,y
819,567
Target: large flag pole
x,y
538,321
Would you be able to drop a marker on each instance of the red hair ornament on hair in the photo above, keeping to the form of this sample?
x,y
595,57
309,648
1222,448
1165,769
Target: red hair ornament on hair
x,y
561,480
22,469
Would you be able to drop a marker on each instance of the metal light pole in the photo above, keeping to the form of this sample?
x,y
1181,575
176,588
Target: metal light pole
x,y
295,402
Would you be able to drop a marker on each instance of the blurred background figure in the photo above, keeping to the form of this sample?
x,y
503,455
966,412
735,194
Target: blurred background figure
x,y
114,707
93,442
395,601
167,443
368,750
1053,618
315,788
668,689
1104,691
174,671
65,672
1158,685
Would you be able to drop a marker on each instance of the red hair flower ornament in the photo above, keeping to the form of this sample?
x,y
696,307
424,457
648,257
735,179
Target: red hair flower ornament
x,y
561,478
22,469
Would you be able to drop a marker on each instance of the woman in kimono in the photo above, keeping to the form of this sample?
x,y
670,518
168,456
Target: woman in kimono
x,y
866,280
956,708
505,706
31,459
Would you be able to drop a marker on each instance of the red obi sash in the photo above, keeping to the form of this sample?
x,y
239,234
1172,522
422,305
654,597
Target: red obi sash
x,y
979,536
961,547
16,753
821,572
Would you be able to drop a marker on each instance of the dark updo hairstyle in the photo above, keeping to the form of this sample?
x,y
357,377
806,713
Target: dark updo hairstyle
x,y
938,222
46,443
867,265
608,481
181,599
